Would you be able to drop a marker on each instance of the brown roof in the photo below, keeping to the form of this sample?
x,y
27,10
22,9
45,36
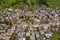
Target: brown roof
x,y
10,33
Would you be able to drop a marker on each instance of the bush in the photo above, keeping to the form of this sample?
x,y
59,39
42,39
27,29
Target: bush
x,y
27,37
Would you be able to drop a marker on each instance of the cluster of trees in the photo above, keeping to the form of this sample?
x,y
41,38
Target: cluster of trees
x,y
14,37
26,19
17,3
7,22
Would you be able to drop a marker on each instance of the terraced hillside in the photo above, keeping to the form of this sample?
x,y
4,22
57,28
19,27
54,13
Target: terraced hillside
x,y
30,3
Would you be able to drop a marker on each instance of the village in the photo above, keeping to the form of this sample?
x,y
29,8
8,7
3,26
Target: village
x,y
39,24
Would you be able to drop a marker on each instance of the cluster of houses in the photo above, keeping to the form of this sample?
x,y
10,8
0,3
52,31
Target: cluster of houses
x,y
41,24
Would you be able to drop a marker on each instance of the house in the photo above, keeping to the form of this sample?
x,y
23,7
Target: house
x,y
1,18
27,34
9,32
48,35
2,31
23,38
3,26
30,13
35,25
10,9
42,31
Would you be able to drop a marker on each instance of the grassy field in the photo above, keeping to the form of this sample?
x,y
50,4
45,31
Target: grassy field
x,y
53,3
55,36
